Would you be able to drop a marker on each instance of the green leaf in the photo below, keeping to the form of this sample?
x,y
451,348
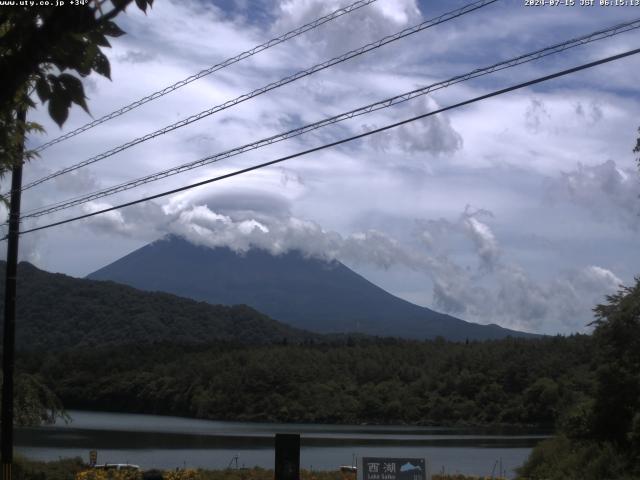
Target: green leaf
x,y
74,89
99,39
83,62
83,67
29,103
43,89
82,20
120,3
101,65
58,109
112,30
34,127
142,5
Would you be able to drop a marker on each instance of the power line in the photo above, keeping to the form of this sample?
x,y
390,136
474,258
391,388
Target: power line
x,y
203,73
599,35
284,81
340,142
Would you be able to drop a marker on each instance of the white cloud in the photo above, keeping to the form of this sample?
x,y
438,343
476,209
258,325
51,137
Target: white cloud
x,y
532,264
382,18
136,56
536,116
438,234
502,292
432,135
512,298
494,291
592,112
77,181
611,193
484,240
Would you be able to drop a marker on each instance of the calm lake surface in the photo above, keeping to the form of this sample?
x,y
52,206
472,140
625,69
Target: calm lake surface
x,y
168,442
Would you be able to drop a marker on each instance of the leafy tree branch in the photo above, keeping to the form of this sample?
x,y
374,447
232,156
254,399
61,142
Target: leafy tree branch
x,y
49,50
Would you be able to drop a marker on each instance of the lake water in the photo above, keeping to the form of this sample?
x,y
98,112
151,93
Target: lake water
x,y
168,442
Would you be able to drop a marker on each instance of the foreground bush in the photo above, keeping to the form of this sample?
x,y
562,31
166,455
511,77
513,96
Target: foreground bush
x,y
64,469
560,458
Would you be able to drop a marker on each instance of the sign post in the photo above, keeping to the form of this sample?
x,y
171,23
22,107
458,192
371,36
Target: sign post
x,y
383,468
287,456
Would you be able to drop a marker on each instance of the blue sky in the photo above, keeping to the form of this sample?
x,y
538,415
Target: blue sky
x,y
521,210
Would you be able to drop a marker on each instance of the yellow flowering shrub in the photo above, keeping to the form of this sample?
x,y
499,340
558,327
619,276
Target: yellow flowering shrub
x,y
112,474
93,474
183,474
237,474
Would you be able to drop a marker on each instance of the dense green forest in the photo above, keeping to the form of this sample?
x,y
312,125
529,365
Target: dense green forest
x,y
585,387
599,436
511,381
56,311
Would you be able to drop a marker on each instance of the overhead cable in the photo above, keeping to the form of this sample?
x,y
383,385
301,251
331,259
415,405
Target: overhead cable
x,y
271,86
208,71
339,142
386,103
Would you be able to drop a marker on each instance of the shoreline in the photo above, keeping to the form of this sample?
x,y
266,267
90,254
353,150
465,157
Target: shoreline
x,y
494,428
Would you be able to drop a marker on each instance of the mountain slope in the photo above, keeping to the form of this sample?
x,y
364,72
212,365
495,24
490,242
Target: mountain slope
x,y
304,292
59,312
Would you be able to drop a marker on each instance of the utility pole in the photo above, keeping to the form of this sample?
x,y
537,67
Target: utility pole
x,y
9,338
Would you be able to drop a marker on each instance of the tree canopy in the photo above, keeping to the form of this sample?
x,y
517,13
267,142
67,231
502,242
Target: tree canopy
x,y
599,436
617,336
47,51
329,380
35,403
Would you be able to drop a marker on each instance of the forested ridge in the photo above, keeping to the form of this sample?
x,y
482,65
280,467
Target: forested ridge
x,y
56,311
350,380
